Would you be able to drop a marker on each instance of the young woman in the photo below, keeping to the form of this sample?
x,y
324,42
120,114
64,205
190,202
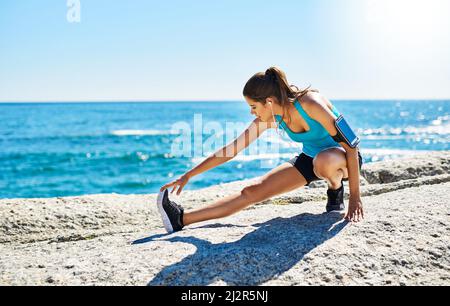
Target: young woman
x,y
311,120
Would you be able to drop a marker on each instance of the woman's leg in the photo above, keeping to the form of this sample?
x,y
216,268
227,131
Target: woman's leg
x,y
331,165
280,180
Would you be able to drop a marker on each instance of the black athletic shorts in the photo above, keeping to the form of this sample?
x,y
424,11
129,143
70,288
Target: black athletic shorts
x,y
304,164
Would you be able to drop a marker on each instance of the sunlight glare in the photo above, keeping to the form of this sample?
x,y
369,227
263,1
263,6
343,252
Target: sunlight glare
x,y
409,19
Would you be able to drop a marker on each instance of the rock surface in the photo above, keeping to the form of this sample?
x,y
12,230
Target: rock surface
x,y
119,240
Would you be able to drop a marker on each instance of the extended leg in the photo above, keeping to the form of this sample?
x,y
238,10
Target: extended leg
x,y
280,180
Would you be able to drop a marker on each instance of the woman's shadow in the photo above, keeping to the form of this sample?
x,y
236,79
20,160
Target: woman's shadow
x,y
270,250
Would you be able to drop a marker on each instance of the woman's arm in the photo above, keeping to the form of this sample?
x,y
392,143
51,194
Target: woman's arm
x,y
317,109
256,129
227,153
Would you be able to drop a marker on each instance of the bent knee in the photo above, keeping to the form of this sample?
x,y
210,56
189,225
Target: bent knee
x,y
325,164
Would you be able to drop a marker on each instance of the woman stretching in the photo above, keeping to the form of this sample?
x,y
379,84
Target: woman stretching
x,y
330,152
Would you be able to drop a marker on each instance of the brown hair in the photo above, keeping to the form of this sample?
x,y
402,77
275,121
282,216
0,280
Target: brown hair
x,y
273,83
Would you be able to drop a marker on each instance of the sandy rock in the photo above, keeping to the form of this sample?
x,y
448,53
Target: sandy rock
x,y
431,164
118,240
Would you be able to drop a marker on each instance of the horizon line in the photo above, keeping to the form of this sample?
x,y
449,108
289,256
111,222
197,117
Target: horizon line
x,y
205,101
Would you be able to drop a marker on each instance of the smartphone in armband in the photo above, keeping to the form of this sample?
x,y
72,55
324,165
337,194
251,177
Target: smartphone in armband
x,y
346,133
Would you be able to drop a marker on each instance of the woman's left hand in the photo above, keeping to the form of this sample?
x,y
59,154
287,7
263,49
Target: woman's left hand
x,y
355,210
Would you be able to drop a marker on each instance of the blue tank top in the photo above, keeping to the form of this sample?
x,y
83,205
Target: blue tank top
x,y
316,139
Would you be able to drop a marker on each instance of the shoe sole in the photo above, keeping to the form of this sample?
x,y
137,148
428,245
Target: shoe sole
x,y
336,210
164,216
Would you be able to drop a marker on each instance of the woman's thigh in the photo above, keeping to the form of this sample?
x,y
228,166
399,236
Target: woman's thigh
x,y
329,161
281,179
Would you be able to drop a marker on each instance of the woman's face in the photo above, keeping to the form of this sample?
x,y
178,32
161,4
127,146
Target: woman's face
x,y
259,110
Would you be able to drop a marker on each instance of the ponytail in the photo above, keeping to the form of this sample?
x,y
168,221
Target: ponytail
x,y
274,83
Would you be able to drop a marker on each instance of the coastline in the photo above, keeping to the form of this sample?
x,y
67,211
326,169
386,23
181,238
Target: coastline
x,y
116,239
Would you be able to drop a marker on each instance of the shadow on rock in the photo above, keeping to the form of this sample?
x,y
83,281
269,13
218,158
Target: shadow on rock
x,y
156,237
272,249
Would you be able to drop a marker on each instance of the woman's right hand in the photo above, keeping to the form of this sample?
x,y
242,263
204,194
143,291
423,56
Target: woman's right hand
x,y
180,183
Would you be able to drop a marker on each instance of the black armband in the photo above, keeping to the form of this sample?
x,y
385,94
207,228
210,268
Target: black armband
x,y
345,133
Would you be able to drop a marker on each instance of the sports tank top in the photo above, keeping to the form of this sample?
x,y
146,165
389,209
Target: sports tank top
x,y
316,139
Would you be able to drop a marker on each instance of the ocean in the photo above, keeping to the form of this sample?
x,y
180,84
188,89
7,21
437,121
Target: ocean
x,y
70,149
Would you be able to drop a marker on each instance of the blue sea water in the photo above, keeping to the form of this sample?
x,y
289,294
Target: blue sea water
x,y
52,150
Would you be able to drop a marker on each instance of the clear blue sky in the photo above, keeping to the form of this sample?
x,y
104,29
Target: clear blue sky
x,y
206,50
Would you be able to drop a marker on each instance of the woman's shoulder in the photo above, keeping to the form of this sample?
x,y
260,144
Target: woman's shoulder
x,y
312,100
